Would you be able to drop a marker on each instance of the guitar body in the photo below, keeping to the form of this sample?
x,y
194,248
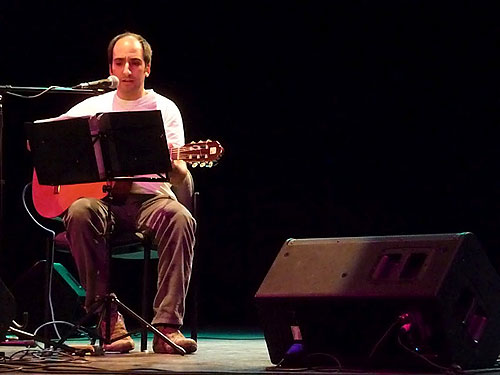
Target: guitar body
x,y
52,201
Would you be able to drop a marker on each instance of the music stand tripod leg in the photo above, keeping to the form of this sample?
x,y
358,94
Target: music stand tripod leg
x,y
145,324
79,325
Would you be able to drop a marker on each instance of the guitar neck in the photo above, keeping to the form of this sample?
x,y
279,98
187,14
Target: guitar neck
x,y
175,153
202,153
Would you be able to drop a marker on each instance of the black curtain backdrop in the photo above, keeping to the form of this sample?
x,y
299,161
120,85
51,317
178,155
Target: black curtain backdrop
x,y
339,118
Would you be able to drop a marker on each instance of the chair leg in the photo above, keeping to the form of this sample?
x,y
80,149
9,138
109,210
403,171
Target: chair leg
x,y
144,302
195,276
49,264
194,311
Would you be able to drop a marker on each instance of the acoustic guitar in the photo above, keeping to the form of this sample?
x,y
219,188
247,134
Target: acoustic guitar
x,y
52,201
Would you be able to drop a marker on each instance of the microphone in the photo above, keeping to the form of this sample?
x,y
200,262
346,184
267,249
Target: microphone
x,y
109,83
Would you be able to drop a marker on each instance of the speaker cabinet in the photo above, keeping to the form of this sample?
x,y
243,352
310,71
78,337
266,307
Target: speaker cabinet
x,y
394,301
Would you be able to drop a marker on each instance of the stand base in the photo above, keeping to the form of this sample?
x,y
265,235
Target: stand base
x,y
104,306
31,338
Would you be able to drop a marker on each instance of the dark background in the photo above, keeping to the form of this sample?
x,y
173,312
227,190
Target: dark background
x,y
339,118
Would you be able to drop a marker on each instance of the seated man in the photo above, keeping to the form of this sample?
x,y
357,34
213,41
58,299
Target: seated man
x,y
150,207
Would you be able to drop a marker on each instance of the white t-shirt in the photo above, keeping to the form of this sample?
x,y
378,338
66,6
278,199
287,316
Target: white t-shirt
x,y
172,120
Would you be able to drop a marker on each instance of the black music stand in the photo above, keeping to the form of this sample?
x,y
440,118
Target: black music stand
x,y
64,151
106,147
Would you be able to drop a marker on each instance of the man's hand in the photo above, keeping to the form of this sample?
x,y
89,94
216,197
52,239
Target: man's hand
x,y
178,173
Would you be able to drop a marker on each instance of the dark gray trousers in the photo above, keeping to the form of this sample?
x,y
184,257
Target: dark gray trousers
x,y
172,228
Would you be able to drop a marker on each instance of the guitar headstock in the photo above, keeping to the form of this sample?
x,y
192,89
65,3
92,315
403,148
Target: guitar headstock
x,y
202,153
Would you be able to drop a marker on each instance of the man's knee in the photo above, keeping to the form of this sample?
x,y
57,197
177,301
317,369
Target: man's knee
x,y
182,216
176,214
83,209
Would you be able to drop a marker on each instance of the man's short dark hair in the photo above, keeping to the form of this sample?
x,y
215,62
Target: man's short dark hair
x,y
147,52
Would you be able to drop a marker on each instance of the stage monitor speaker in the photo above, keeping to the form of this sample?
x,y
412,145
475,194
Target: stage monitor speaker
x,y
393,302
7,310
68,296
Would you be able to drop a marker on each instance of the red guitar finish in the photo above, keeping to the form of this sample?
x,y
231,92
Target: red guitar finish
x,y
52,201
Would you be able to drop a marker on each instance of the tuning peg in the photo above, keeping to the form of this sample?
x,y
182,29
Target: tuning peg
x,y
202,164
195,164
192,142
210,164
209,140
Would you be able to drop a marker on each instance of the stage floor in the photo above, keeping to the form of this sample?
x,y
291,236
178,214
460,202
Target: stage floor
x,y
219,352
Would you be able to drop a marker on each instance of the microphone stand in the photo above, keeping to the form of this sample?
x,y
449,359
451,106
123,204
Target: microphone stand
x,y
35,92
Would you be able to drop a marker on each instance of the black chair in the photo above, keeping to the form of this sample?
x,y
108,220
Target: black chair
x,y
128,246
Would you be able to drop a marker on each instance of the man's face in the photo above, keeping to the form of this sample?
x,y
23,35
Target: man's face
x,y
128,65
